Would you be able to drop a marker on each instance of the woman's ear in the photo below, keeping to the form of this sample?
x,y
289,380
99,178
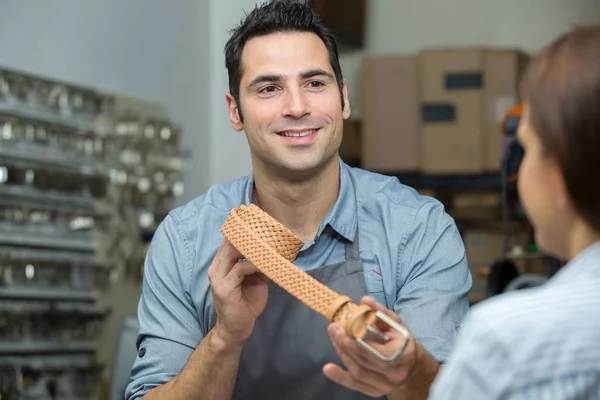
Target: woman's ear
x,y
561,198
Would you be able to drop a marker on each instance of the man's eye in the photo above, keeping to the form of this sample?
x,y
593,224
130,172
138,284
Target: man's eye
x,y
268,89
315,84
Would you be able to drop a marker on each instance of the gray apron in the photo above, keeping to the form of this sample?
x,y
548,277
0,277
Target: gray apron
x,y
284,357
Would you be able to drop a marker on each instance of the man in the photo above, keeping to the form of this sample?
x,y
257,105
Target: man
x,y
212,328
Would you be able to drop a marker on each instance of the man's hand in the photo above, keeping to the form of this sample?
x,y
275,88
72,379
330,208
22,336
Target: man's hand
x,y
412,373
239,292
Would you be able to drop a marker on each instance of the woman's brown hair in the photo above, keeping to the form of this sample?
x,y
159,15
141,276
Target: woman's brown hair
x,y
562,91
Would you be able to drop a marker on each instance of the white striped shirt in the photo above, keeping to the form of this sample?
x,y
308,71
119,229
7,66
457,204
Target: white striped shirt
x,y
541,343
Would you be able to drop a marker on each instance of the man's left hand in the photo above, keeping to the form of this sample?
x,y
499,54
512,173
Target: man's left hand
x,y
365,373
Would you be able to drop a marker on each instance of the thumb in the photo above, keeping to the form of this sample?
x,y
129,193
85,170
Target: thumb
x,y
369,301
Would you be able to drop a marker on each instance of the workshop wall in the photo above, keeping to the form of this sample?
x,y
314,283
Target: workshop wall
x,y
151,49
229,157
408,26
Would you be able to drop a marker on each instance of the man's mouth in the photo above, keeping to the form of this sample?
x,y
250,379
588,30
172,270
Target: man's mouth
x,y
297,134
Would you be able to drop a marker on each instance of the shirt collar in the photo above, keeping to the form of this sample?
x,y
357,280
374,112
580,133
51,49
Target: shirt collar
x,y
249,190
586,260
343,215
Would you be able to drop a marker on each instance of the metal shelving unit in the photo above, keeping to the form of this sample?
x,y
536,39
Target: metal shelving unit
x,y
504,216
454,182
82,182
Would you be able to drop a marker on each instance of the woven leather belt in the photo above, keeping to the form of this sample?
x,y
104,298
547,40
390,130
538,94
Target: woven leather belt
x,y
272,248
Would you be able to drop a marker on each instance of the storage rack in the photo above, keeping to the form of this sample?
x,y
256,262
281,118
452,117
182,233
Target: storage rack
x,y
507,216
82,181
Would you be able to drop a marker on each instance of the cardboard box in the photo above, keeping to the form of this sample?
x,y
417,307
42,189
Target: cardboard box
x,y
476,200
350,149
485,247
426,192
451,101
464,96
476,206
532,265
390,140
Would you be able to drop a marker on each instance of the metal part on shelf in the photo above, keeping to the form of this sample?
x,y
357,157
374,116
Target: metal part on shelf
x,y
28,326
70,377
31,272
83,182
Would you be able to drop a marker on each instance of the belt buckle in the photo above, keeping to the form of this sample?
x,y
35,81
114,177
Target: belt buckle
x,y
372,329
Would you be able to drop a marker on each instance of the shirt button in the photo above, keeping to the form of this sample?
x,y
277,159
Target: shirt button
x,y
142,352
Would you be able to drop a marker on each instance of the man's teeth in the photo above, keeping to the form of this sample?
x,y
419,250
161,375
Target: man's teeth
x,y
298,134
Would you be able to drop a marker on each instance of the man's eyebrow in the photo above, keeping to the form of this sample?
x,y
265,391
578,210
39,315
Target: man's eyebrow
x,y
316,72
272,78
264,79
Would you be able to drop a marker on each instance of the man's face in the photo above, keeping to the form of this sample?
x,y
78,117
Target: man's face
x,y
290,101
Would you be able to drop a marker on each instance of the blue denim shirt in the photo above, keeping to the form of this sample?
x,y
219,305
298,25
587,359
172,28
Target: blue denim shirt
x,y
413,255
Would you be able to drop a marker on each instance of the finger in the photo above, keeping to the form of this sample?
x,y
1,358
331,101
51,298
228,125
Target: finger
x,y
368,300
239,272
387,347
360,364
343,378
344,344
395,342
224,260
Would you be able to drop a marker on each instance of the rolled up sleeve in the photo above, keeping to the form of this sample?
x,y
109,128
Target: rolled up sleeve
x,y
432,299
169,328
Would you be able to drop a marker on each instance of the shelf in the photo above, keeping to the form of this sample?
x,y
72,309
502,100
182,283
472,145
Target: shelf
x,y
42,306
46,346
41,361
484,181
45,199
526,255
12,293
49,242
24,112
29,157
16,253
71,187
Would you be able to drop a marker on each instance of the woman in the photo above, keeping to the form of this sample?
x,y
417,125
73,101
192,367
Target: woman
x,y
544,343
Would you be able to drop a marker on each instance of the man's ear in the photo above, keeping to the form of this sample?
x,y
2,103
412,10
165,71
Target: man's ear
x,y
346,110
234,115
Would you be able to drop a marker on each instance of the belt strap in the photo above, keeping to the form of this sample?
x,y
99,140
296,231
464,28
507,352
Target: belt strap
x,y
271,248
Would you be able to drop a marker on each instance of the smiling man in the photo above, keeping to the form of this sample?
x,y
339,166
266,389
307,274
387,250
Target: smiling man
x,y
211,327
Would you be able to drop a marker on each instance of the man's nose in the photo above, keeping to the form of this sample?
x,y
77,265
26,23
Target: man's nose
x,y
296,104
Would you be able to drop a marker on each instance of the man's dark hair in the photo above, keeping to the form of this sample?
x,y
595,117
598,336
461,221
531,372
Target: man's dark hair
x,y
275,17
562,91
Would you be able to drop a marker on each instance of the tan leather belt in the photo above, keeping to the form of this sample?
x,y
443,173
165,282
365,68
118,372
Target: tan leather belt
x,y
272,248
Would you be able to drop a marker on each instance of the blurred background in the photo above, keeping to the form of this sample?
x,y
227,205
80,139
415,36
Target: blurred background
x,y
112,113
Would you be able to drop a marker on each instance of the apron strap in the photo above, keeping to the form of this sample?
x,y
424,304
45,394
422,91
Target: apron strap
x,y
352,248
271,247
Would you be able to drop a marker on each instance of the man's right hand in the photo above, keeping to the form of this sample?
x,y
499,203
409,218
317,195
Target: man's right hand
x,y
240,296
239,293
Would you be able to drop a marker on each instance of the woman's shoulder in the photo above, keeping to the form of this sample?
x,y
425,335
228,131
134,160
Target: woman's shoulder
x,y
552,325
